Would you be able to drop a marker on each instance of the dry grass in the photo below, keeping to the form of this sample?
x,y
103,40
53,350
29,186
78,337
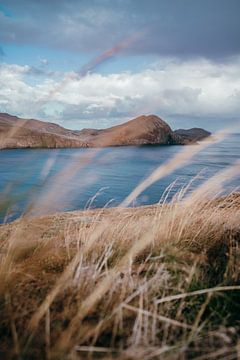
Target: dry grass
x,y
157,282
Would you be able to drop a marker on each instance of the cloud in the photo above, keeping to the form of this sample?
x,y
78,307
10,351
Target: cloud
x,y
189,88
44,62
184,28
73,25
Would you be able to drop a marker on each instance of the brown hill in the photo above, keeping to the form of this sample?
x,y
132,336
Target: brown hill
x,y
29,133
139,131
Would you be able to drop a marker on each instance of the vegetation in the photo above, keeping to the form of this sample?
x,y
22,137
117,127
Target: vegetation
x,y
157,282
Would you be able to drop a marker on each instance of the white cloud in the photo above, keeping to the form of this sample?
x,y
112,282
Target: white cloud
x,y
189,88
44,62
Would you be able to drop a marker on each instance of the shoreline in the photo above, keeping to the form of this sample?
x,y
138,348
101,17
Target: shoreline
x,y
100,147
89,215
147,209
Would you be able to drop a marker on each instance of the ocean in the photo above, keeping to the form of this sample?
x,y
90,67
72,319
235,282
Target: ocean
x,y
54,180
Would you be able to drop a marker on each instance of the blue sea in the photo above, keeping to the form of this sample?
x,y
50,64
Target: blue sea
x,y
53,180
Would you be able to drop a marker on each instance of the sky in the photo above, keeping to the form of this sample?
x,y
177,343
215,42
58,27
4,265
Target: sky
x,y
96,63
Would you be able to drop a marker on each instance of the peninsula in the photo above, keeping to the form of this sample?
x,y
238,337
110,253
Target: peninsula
x,y
16,132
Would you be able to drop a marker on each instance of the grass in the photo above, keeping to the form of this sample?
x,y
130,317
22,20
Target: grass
x,y
154,282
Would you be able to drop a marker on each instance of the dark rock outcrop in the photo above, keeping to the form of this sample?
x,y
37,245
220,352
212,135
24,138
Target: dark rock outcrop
x,y
29,133
192,135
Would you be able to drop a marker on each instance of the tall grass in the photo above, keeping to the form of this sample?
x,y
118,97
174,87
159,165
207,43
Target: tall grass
x,y
156,282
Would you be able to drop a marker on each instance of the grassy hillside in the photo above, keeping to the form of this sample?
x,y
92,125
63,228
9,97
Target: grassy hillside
x,y
157,282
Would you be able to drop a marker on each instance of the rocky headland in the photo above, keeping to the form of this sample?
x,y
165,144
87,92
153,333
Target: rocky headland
x,y
16,132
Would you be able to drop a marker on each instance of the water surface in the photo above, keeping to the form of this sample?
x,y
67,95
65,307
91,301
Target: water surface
x,y
59,180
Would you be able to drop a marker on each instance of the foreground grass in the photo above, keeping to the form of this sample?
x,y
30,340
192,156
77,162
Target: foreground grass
x,y
157,282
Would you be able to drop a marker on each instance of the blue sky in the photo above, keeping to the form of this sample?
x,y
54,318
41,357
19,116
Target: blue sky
x,y
99,62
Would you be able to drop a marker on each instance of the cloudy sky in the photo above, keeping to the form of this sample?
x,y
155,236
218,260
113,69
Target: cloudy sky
x,y
94,63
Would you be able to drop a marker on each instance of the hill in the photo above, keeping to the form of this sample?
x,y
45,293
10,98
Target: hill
x,y
191,135
30,133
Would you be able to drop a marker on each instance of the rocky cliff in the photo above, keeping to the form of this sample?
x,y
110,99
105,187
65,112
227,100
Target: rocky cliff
x,y
29,133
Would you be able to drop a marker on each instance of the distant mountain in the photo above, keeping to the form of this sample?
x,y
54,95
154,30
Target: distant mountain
x,y
29,133
192,135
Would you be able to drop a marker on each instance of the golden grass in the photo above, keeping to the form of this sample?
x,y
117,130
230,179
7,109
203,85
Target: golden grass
x,y
154,282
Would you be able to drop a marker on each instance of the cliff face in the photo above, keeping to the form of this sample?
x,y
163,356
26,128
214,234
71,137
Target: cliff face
x,y
30,133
